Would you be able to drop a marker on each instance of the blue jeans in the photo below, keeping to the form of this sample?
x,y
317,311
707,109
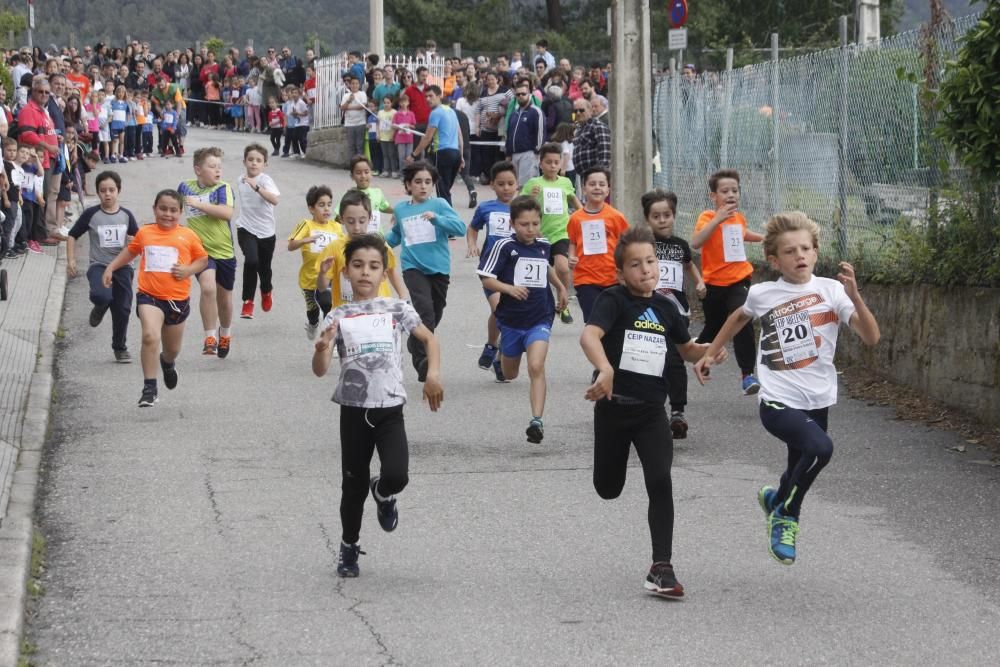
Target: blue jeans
x,y
118,297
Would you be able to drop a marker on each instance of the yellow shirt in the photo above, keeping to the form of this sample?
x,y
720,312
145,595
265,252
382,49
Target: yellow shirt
x,y
331,232
339,284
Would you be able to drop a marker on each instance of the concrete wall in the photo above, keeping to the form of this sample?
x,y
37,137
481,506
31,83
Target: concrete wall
x,y
330,147
944,342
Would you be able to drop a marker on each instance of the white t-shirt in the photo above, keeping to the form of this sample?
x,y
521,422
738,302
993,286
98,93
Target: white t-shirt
x,y
256,213
463,105
798,338
354,117
301,107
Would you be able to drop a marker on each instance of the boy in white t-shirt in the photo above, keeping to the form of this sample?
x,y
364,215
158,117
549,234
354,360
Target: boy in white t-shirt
x,y
800,315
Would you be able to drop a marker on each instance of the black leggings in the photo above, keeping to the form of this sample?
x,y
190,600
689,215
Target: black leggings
x,y
616,428
257,255
586,296
362,431
276,133
718,304
809,449
677,375
429,295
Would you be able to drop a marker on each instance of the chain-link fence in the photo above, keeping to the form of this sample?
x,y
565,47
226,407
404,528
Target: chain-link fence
x,y
840,134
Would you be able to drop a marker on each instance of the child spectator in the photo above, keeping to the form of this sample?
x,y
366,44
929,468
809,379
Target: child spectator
x,y
275,124
404,121
386,138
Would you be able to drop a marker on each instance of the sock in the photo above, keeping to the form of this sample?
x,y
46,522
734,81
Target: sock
x,y
210,333
225,331
149,384
165,364
378,496
537,419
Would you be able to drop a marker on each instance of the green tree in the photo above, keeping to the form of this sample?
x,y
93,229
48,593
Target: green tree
x,y
216,45
12,23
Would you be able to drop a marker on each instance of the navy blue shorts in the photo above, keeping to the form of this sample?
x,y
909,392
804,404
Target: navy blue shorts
x,y
174,312
225,272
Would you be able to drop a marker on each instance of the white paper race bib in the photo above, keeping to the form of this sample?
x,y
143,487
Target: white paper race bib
x,y
195,212
671,275
385,126
553,201
367,334
346,290
159,258
643,352
112,236
118,115
595,237
168,119
796,338
375,222
531,272
418,229
499,224
733,249
322,242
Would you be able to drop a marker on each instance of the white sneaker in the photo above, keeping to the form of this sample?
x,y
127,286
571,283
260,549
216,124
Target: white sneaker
x,y
64,230
311,330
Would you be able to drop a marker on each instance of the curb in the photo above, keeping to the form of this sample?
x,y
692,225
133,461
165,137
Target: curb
x,y
18,525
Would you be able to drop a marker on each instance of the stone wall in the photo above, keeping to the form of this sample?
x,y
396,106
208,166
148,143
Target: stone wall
x,y
330,147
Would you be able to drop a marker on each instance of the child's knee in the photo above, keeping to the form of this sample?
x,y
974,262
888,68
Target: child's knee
x,y
151,337
608,488
392,483
536,369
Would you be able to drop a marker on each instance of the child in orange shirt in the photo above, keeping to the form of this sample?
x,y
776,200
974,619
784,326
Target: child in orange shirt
x,y
593,235
721,234
170,256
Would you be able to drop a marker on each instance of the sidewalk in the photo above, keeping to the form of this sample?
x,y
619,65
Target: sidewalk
x,y
29,319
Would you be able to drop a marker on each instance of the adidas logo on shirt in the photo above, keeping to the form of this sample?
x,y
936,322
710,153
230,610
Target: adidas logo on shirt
x,y
513,253
648,320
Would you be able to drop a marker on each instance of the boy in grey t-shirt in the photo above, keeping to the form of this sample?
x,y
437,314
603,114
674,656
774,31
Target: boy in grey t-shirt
x,y
367,334
109,229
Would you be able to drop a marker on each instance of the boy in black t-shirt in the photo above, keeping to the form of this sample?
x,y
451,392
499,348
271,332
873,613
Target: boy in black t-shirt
x,y
626,339
674,257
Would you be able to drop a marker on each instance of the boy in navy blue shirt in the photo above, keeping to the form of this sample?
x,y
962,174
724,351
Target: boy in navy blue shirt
x,y
520,269
168,126
494,216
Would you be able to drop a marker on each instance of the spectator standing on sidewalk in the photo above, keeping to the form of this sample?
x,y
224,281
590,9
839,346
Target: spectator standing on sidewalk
x,y
525,133
355,107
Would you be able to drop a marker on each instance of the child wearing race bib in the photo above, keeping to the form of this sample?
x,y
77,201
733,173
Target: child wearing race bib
x,y
626,340
800,315
110,228
386,135
494,216
673,254
368,336
332,286
519,268
593,234
256,228
556,195
720,234
209,202
312,236
119,113
171,254
422,227
361,174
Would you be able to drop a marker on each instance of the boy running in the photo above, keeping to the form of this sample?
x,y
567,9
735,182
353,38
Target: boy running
x,y
209,202
361,174
368,336
312,236
110,228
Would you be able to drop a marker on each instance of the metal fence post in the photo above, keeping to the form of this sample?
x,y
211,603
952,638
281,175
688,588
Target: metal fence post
x,y
775,134
675,122
842,145
457,49
727,109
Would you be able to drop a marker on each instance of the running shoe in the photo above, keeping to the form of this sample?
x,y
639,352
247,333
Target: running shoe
x,y
347,565
35,247
97,313
566,316
498,372
782,531
148,398
388,515
225,342
473,199
265,301
678,425
661,581
311,330
535,431
211,346
247,312
169,373
64,231
750,385
488,356
767,498
123,357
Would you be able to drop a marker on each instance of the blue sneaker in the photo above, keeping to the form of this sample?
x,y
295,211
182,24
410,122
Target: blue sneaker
x,y
782,531
535,431
498,372
767,497
388,515
750,385
347,565
487,357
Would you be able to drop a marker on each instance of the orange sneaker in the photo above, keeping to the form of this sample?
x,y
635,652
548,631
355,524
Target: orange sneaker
x,y
211,345
265,301
224,343
247,312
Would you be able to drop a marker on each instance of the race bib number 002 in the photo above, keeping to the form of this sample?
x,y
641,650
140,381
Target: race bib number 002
x,y
553,201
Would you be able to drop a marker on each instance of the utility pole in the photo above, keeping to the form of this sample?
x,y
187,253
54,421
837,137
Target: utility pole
x,y
631,107
376,24
867,16
31,23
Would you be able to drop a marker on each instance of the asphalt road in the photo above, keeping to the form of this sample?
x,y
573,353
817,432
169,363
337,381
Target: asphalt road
x,y
205,530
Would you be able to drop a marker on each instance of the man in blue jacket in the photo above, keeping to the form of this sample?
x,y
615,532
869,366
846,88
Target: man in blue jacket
x,y
525,133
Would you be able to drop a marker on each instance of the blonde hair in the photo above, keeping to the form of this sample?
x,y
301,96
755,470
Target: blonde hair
x,y
791,221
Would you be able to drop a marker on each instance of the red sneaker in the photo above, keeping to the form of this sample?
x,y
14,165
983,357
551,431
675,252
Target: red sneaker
x,y
247,312
265,301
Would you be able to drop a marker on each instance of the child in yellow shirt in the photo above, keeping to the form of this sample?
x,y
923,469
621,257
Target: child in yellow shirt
x,y
312,236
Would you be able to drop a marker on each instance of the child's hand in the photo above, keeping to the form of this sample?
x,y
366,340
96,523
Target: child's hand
x,y
519,293
562,299
315,237
846,277
428,216
193,202
702,366
326,338
71,269
535,191
326,265
602,386
725,212
433,391
573,260
179,271
473,251
107,278
701,290
252,182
